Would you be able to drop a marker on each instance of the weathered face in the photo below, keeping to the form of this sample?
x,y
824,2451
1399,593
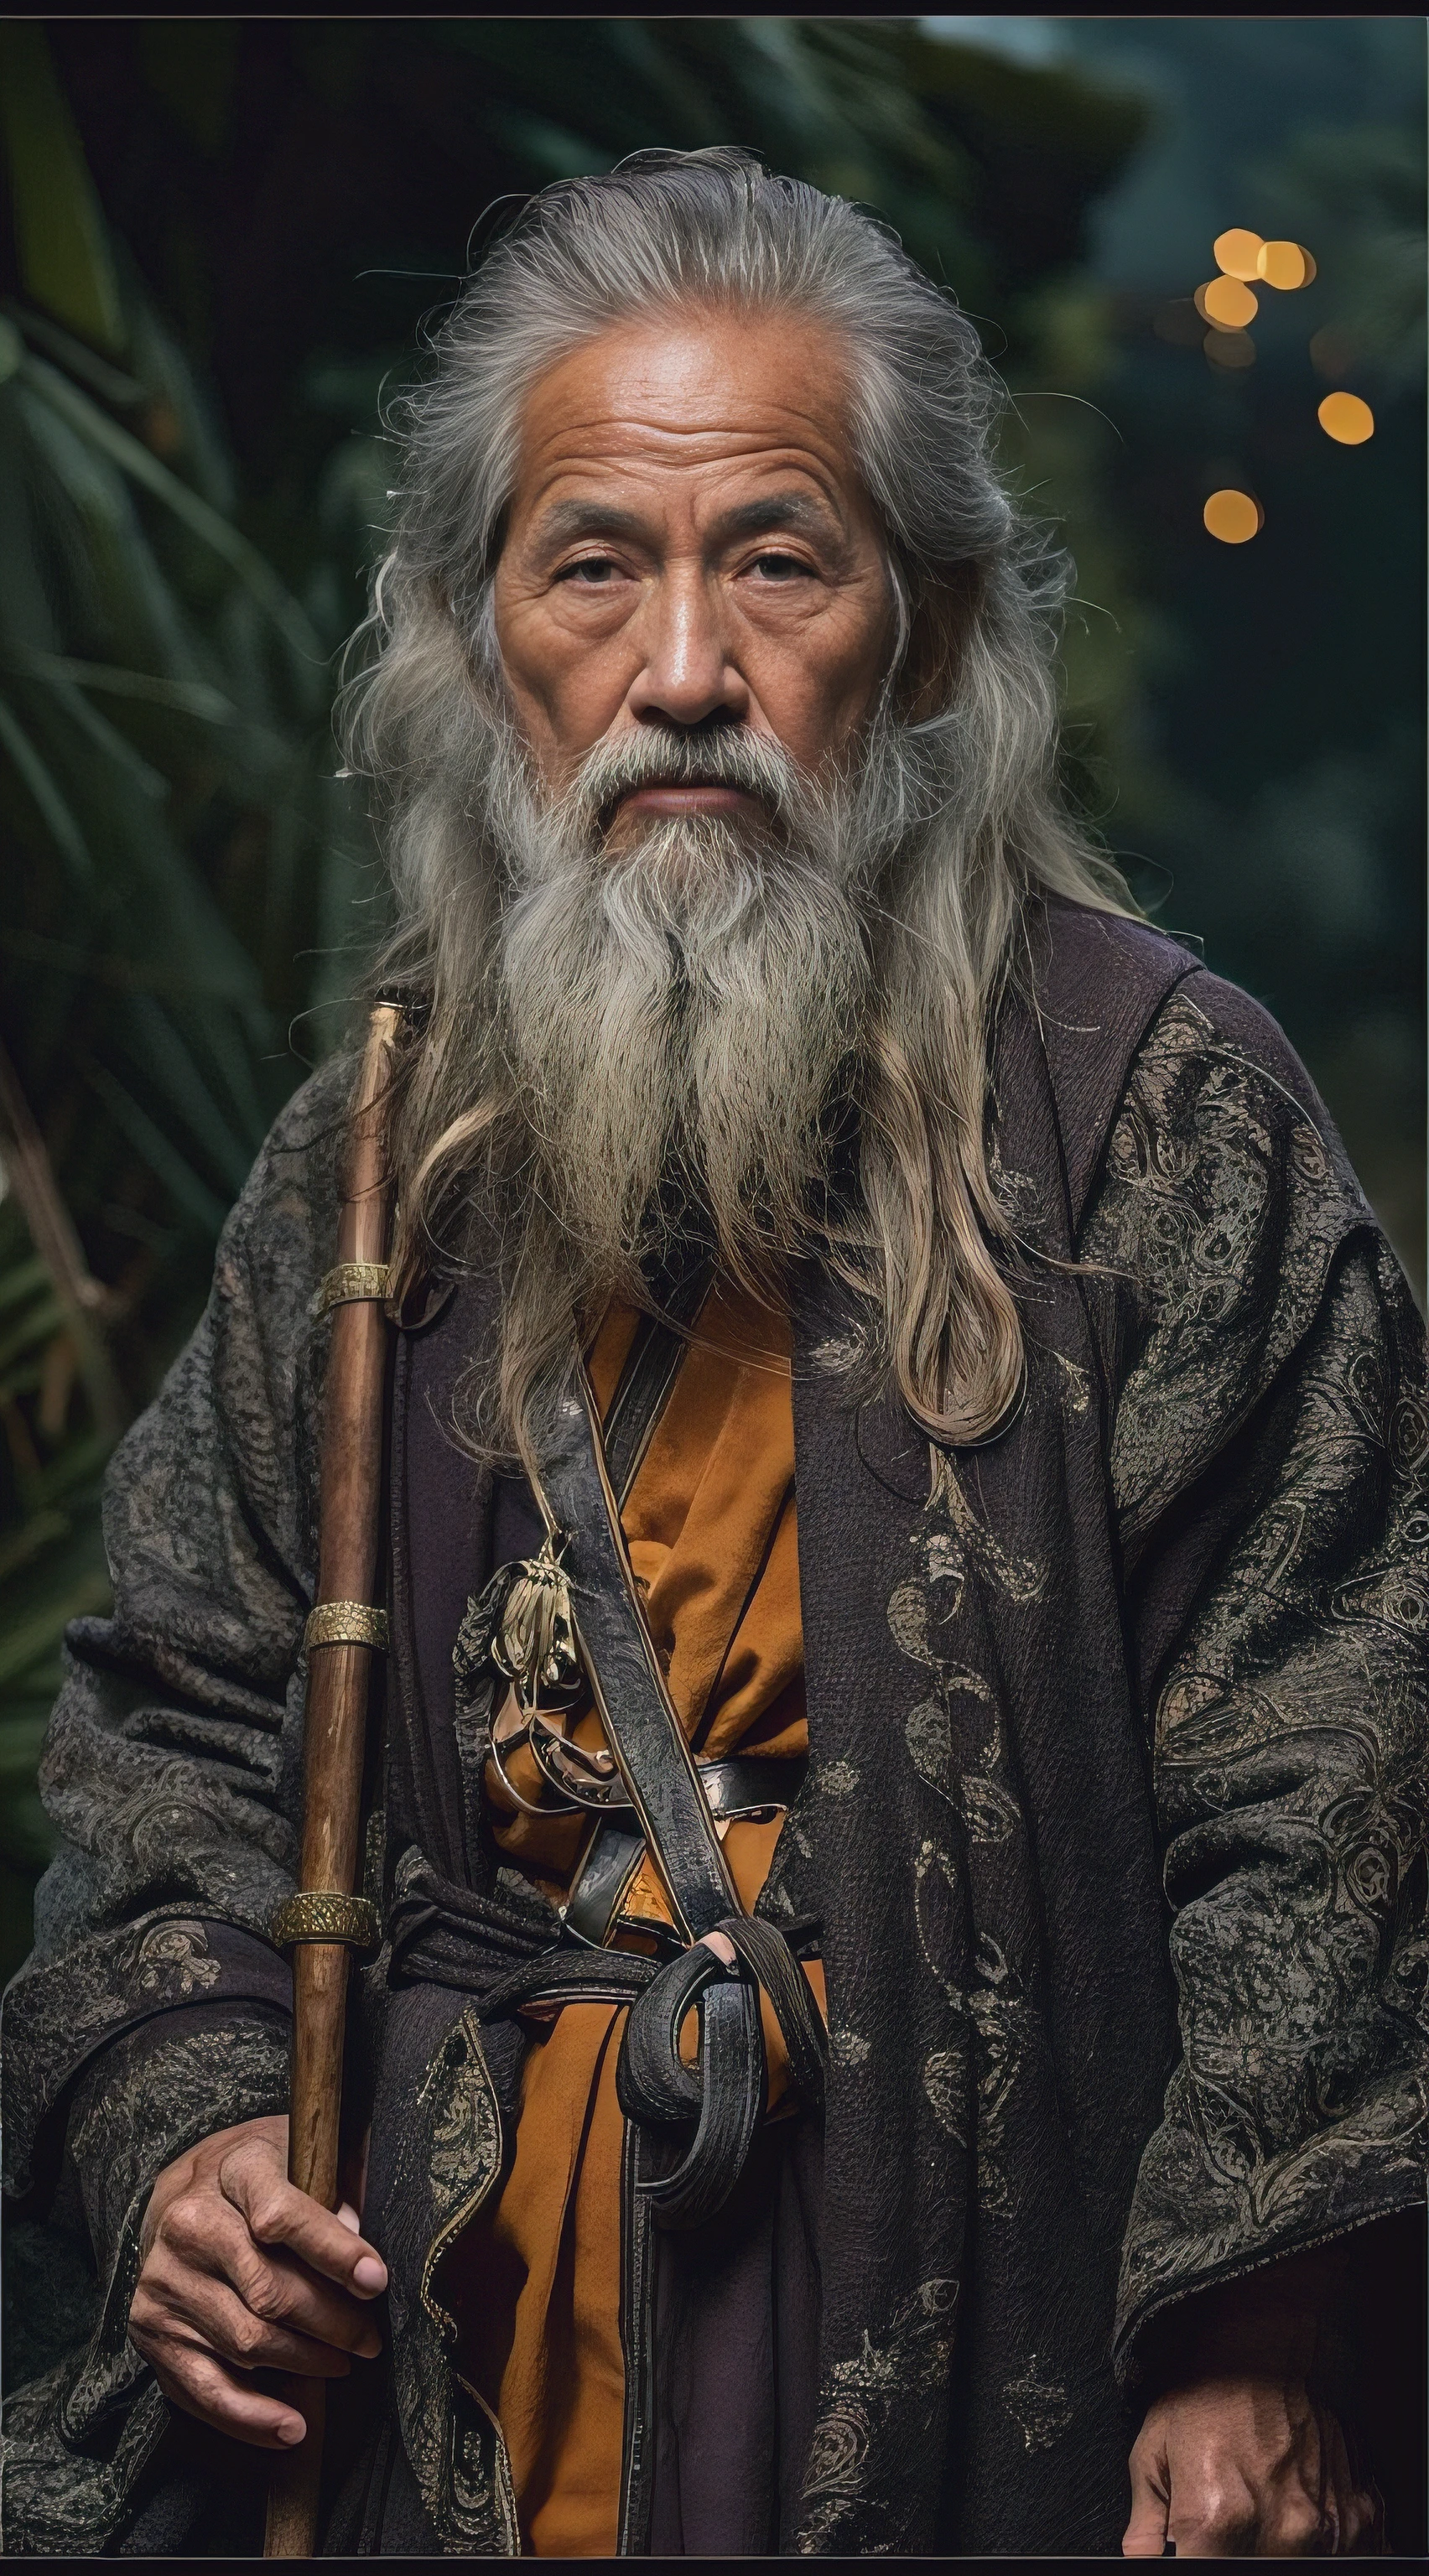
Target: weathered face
x,y
690,545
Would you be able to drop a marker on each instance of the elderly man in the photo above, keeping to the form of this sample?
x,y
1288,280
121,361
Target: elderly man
x,y
988,1430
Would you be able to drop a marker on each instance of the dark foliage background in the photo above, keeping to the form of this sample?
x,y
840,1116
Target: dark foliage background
x,y
222,239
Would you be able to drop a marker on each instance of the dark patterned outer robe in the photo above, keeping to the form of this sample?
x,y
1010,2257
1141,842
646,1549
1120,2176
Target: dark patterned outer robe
x,y
1114,1825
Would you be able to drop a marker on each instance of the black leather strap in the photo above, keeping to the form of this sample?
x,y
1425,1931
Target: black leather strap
x,y
611,1859
647,1379
627,1685
742,1786
673,1816
569,1977
766,1953
725,2097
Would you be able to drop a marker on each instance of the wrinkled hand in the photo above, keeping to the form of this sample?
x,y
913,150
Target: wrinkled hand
x,y
241,2271
1245,2467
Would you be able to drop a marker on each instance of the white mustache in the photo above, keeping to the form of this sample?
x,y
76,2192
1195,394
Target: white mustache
x,y
658,756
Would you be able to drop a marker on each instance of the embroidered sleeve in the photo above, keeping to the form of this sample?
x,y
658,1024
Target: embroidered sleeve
x,y
171,1772
83,2426
171,1765
1269,1454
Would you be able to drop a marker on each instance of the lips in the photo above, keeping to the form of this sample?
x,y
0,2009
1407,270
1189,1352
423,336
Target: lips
x,y
683,795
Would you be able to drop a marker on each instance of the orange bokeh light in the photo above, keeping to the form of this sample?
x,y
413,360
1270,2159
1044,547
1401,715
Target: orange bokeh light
x,y
1237,252
1285,264
1346,419
1233,517
1226,303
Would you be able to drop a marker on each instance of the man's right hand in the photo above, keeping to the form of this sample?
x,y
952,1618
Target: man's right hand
x,y
241,2271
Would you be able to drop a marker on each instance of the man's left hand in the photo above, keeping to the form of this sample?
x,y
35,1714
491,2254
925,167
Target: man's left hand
x,y
1246,2467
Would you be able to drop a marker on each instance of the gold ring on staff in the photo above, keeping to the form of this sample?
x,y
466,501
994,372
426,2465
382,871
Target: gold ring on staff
x,y
322,1914
346,1623
352,1283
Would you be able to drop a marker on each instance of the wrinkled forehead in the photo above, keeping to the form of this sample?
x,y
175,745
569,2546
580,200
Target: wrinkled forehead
x,y
681,412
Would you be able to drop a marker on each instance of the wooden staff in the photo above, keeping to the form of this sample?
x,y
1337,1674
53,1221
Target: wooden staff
x,y
328,1919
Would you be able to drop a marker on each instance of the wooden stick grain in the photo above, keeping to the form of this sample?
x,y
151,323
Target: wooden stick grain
x,y
335,1727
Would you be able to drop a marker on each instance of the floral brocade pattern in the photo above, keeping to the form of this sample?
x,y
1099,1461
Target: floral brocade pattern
x,y
1222,1205
1251,1310
77,2438
895,2378
170,1772
1291,1715
988,1666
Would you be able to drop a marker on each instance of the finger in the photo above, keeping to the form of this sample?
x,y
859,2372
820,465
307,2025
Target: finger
x,y
1295,2526
1212,2519
1145,2534
1354,2510
217,2322
194,2381
1334,2484
1335,2489
1361,2523
283,2292
279,2214
175,2292
203,2232
279,2286
180,2281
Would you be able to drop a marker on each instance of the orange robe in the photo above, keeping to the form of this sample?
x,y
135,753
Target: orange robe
x,y
710,1526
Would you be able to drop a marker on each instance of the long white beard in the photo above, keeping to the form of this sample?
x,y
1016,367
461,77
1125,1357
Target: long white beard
x,y
677,1015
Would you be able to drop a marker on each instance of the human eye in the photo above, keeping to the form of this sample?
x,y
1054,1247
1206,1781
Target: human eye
x,y
590,572
774,564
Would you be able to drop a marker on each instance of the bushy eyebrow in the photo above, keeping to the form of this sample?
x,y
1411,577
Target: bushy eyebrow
x,y
772,513
567,520
775,511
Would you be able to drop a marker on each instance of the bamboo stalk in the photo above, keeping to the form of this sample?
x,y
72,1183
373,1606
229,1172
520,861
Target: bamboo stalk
x,y
336,1729
52,1231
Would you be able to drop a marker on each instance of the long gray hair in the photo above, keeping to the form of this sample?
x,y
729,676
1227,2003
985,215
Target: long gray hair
x,y
898,1197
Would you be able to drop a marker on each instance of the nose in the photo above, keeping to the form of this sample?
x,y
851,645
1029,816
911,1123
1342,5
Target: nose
x,y
686,675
